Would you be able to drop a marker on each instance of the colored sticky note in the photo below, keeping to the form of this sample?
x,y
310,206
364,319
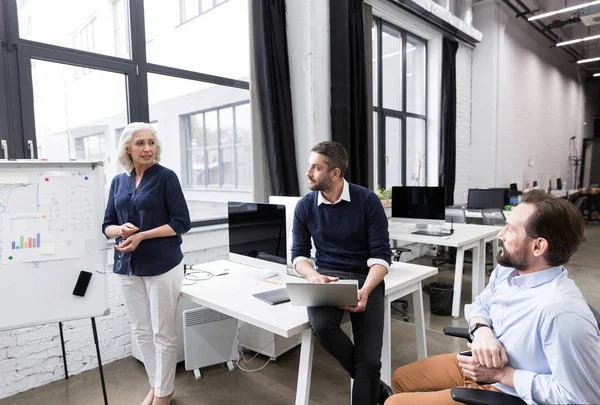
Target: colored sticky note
x,y
47,248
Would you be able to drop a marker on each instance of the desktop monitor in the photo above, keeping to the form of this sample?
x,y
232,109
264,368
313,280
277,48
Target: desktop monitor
x,y
420,205
290,208
506,195
486,198
257,235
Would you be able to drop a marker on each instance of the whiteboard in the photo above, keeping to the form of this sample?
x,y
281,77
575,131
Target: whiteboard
x,y
50,229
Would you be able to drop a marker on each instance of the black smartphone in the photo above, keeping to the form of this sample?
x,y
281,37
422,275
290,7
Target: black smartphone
x,y
82,283
466,353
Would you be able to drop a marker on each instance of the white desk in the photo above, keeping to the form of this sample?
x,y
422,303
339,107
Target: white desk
x,y
232,295
465,237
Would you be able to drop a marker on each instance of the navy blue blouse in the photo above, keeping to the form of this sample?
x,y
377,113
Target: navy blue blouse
x,y
157,201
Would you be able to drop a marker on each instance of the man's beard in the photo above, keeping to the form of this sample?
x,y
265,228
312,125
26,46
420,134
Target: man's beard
x,y
323,185
515,260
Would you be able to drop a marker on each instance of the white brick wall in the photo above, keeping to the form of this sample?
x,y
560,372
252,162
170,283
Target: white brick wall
x,y
527,103
540,106
464,70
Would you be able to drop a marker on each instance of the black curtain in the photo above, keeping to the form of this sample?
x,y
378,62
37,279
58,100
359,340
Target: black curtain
x,y
448,120
273,84
349,86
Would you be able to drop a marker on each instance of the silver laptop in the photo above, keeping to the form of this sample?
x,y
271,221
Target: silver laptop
x,y
335,294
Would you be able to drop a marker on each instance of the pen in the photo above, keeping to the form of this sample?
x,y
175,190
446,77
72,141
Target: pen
x,y
272,282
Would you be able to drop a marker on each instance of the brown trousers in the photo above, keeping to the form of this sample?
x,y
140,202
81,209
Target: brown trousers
x,y
428,382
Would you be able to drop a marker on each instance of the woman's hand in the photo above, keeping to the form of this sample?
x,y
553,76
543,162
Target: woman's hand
x,y
131,243
128,229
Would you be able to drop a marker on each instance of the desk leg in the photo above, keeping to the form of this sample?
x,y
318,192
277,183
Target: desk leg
x,y
417,297
458,274
305,368
495,252
386,350
478,269
482,255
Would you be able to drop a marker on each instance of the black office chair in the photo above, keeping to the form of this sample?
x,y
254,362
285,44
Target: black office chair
x,y
400,305
471,396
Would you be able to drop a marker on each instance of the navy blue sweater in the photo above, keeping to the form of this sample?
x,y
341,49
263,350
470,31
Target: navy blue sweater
x,y
157,201
346,234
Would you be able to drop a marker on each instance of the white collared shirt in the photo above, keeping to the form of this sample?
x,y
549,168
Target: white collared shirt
x,y
344,197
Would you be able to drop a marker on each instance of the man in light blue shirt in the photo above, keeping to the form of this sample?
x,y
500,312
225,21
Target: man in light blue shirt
x,y
533,334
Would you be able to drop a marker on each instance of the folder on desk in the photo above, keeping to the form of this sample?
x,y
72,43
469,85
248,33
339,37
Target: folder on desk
x,y
274,297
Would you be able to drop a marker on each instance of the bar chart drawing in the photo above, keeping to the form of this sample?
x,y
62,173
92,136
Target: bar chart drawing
x,y
24,242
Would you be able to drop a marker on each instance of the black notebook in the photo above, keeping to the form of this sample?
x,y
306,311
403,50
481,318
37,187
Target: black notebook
x,y
274,297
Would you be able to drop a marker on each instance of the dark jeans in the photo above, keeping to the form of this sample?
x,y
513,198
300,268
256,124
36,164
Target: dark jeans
x,y
361,359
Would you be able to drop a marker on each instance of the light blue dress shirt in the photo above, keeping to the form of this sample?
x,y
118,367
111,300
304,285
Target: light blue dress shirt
x,y
550,335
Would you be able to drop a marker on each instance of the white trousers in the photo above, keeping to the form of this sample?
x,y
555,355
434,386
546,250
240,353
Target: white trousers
x,y
152,304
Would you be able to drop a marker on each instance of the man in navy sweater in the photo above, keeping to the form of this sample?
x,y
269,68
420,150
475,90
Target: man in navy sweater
x,y
350,231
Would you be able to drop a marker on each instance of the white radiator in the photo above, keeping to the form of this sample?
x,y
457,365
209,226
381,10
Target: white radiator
x,y
209,337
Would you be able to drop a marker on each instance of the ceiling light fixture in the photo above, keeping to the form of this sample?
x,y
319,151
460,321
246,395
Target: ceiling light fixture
x,y
576,41
563,10
588,60
596,74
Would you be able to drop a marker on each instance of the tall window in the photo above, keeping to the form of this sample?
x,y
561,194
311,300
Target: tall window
x,y
24,18
121,17
134,67
219,147
84,40
90,147
193,8
399,106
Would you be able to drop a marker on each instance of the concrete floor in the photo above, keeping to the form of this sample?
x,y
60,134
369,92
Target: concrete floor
x,y
276,383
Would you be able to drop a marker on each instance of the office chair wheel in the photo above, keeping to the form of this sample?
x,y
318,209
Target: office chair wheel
x,y
401,306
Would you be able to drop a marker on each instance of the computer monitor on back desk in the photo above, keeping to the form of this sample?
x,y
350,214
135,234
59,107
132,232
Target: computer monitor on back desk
x,y
419,205
486,198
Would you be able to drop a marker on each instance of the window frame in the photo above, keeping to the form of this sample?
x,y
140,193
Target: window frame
x,y
85,139
117,28
86,27
402,114
17,116
182,10
186,135
17,119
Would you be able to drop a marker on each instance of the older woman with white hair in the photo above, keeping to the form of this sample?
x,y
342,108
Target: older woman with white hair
x,y
147,214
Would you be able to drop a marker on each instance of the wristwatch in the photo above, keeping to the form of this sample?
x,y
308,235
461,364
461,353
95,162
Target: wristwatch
x,y
477,326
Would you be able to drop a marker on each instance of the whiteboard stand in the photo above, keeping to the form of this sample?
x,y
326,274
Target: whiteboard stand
x,y
99,360
64,352
96,342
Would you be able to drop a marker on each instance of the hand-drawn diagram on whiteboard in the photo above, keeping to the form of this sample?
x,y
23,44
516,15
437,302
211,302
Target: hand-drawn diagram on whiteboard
x,y
48,218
